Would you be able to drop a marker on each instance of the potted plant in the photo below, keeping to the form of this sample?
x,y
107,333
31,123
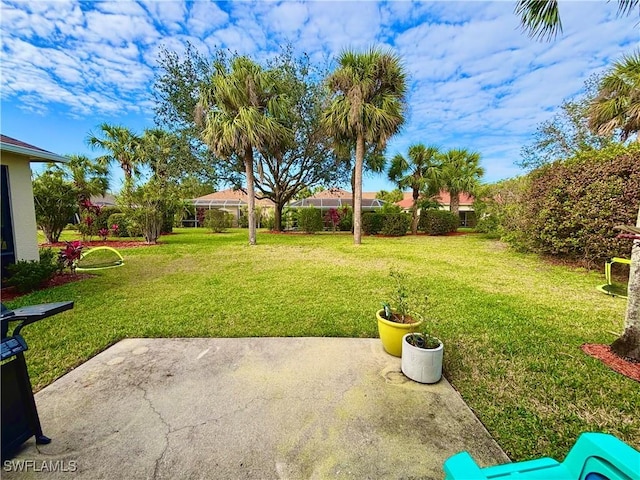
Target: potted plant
x,y
422,357
394,323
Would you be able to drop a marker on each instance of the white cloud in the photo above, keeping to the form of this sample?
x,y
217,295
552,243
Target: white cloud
x,y
476,80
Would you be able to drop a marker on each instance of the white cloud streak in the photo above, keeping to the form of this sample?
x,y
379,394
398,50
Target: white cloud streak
x,y
476,80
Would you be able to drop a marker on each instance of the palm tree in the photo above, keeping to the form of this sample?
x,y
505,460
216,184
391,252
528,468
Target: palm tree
x,y
122,146
545,23
367,107
88,176
420,173
461,172
617,106
239,109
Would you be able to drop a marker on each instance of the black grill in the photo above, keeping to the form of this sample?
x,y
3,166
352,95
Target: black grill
x,y
20,419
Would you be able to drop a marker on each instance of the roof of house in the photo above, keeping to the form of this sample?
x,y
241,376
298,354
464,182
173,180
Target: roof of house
x,y
328,202
108,199
33,153
340,193
228,198
443,197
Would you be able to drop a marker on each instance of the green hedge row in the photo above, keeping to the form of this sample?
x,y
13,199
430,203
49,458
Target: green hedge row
x,y
438,222
569,209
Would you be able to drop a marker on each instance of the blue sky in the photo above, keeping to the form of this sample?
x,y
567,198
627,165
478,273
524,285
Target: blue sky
x,y
476,81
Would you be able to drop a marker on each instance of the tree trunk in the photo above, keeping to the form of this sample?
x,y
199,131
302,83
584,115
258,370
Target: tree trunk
x,y
251,194
454,204
357,202
414,211
353,193
628,345
277,217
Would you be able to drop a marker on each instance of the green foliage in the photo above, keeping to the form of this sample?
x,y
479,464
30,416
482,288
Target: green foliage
x,y
438,222
372,223
310,219
390,208
55,202
346,219
144,209
217,220
392,197
501,211
405,300
268,220
124,225
572,207
27,275
395,224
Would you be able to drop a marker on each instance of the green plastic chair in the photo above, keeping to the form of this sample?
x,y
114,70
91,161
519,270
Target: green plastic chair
x,y
595,456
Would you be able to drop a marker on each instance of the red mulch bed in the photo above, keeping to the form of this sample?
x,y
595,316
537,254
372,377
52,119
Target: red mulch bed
x,y
611,360
10,293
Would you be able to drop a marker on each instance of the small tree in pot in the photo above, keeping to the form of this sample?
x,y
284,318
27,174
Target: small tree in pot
x,y
402,319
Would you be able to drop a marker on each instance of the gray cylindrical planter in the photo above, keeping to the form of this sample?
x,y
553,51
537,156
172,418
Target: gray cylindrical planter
x,y
420,364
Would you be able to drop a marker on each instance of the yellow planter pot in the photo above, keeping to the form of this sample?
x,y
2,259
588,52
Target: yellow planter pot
x,y
391,333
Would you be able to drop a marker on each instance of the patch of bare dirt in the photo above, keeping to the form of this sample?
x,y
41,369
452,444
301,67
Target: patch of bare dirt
x,y
613,361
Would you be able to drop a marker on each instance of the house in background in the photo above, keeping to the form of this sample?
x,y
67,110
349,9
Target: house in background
x,y
337,198
465,211
19,237
229,200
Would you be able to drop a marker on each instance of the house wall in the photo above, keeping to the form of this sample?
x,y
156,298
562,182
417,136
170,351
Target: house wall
x,y
23,213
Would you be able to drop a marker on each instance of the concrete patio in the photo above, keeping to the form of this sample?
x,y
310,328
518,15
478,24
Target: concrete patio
x,y
256,408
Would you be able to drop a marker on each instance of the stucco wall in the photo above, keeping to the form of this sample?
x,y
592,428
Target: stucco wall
x,y
23,213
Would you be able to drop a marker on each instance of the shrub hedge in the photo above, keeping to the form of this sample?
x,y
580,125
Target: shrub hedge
x,y
438,222
573,206
217,220
27,275
310,220
395,224
372,223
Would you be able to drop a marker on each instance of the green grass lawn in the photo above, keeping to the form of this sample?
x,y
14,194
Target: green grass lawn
x,y
512,325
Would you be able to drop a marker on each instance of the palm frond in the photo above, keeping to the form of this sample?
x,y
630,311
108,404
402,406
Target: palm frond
x,y
539,18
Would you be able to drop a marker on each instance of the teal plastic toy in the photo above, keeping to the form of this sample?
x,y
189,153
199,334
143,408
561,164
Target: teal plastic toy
x,y
595,456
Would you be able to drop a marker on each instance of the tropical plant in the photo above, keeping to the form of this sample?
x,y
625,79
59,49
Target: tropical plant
x,y
239,108
544,22
70,254
461,172
367,108
122,146
88,176
420,172
617,106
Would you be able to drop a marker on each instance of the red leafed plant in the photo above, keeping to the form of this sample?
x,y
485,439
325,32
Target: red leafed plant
x,y
333,217
70,254
104,233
